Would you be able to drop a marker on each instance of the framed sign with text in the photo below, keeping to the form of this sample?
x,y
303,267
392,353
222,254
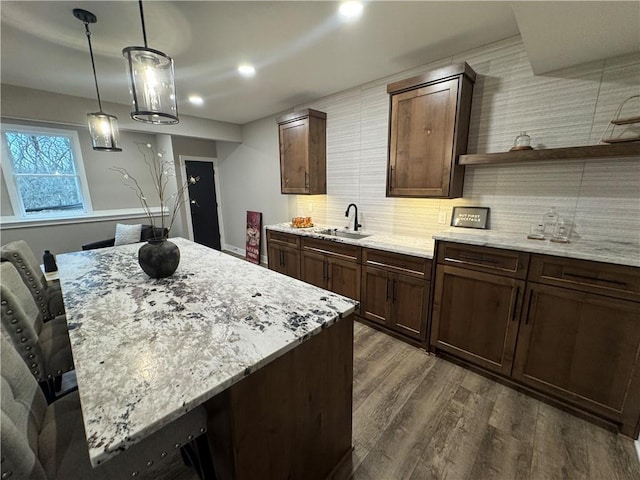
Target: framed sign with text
x,y
470,217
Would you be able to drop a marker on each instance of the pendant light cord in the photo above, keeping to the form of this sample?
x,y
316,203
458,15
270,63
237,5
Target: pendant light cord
x,y
93,64
144,31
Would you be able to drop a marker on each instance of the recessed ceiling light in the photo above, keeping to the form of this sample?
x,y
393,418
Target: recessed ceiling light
x,y
351,10
196,99
247,70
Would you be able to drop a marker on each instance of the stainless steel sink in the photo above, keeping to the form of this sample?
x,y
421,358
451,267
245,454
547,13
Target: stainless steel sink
x,y
339,233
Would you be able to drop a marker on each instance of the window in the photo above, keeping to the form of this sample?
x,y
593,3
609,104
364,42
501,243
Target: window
x,y
43,171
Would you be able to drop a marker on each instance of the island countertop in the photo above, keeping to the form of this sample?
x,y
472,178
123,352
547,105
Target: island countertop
x,y
146,350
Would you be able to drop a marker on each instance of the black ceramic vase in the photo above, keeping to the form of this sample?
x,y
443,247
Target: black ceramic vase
x,y
159,258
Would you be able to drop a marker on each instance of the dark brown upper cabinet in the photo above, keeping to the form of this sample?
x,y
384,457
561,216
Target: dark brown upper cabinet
x,y
428,130
303,159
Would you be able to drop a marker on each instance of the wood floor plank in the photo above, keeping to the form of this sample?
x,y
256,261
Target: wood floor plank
x,y
456,441
515,414
403,441
610,456
502,457
486,388
559,449
387,395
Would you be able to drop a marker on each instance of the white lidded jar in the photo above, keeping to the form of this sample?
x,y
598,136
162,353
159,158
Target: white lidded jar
x,y
549,221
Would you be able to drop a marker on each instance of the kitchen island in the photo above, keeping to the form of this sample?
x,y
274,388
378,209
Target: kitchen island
x,y
269,356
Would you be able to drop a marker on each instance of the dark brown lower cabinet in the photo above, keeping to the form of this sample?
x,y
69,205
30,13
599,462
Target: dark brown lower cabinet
x,y
334,272
395,301
564,328
283,253
395,292
475,316
582,347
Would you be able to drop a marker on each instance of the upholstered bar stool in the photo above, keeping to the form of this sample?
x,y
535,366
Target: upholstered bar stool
x,y
44,347
47,442
47,297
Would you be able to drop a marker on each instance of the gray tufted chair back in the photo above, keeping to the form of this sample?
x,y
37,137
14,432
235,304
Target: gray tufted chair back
x,y
21,320
49,300
23,412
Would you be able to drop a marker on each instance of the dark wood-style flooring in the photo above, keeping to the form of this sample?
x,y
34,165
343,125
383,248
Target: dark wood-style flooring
x,y
417,416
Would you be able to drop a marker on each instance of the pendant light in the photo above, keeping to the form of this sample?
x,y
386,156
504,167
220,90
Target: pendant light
x,y
151,83
103,128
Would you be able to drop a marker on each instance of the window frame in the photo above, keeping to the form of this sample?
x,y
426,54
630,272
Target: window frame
x,y
15,198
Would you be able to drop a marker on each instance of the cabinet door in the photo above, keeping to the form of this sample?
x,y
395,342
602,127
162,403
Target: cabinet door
x,y
291,262
344,277
274,257
283,259
294,148
314,269
375,295
421,140
475,316
409,305
581,347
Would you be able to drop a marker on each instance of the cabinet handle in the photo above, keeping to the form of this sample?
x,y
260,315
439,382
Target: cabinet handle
x,y
594,279
394,291
328,270
390,177
306,179
387,289
528,315
514,303
473,258
282,264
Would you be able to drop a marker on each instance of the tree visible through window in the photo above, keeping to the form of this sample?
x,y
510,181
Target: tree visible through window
x,y
44,171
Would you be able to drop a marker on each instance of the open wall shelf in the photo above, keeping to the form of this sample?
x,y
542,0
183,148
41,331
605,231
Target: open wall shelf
x,y
631,149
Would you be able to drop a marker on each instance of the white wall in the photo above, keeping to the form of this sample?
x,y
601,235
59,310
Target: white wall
x,y
250,180
567,108
30,104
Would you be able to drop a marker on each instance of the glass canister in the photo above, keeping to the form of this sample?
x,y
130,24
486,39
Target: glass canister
x,y
522,142
536,231
561,232
549,221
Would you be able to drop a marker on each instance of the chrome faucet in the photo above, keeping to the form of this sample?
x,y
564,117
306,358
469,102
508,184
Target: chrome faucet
x,y
356,225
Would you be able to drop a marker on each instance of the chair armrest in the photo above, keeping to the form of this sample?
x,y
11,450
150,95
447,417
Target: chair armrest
x,y
100,244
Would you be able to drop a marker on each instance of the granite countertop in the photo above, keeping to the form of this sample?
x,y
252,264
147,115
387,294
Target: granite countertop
x,y
607,251
419,247
146,350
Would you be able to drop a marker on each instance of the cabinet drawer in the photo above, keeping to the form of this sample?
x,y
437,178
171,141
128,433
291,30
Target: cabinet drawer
x,y
283,238
507,263
343,250
396,262
602,278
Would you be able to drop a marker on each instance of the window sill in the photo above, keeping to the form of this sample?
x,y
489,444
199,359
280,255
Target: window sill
x,y
9,223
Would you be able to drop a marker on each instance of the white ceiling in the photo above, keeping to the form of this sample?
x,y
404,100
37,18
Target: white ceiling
x,y
302,50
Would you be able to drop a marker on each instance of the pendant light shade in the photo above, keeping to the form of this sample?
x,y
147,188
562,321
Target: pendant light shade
x,y
104,132
151,83
103,128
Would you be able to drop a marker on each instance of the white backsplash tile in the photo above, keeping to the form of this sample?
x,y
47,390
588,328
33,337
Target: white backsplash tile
x,y
560,109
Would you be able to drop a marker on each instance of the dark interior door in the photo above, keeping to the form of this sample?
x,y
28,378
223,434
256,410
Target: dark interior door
x,y
203,205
